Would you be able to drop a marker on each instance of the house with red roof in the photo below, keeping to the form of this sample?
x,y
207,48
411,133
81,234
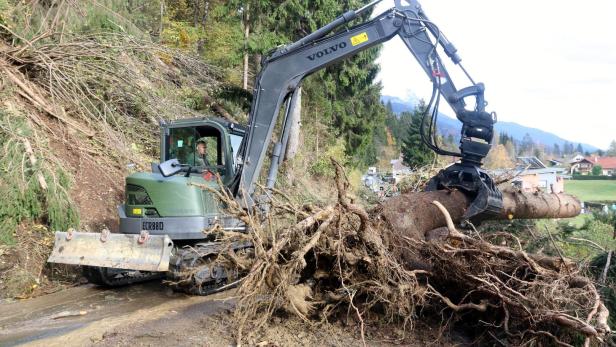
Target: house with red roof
x,y
580,165
608,164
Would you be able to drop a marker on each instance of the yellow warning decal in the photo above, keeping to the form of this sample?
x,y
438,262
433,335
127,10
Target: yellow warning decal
x,y
137,211
359,39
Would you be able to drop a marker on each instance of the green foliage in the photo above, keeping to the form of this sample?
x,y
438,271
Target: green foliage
x,y
344,97
398,125
543,236
323,167
23,199
566,228
137,18
181,35
606,218
193,98
593,230
4,10
596,170
414,151
598,263
220,42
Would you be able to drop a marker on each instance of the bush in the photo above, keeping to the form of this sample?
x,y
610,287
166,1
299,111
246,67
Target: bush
x,y
23,198
323,166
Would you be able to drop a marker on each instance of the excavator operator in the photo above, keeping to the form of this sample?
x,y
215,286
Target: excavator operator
x,y
201,155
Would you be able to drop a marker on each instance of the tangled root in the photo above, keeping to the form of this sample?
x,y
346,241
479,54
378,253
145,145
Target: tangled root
x,y
342,260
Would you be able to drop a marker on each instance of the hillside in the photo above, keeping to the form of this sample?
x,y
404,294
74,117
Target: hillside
x,y
315,259
448,125
85,84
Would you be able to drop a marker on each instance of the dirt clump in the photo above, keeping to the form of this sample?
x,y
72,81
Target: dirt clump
x,y
24,272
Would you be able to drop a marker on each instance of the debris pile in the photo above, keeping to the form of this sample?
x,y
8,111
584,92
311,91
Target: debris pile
x,y
321,263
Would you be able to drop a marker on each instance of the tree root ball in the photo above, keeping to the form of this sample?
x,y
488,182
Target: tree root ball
x,y
377,266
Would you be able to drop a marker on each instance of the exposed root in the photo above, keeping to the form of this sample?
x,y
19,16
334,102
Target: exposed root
x,y
343,260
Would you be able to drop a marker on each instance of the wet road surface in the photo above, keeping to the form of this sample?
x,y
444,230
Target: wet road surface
x,y
83,315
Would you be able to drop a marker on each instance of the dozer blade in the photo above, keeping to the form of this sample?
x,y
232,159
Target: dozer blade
x,y
119,251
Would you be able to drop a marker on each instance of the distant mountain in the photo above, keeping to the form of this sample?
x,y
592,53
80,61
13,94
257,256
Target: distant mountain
x,y
398,105
447,125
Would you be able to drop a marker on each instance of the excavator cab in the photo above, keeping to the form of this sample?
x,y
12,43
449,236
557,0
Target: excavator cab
x,y
170,199
200,148
167,205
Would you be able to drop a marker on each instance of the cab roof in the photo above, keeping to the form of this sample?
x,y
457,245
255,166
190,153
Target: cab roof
x,y
203,121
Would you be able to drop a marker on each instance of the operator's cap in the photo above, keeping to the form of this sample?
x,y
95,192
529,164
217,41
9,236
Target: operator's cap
x,y
202,140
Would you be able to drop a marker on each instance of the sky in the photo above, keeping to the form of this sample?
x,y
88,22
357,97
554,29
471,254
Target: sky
x,y
547,64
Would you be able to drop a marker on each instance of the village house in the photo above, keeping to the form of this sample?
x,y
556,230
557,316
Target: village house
x,y
535,175
607,164
581,165
584,165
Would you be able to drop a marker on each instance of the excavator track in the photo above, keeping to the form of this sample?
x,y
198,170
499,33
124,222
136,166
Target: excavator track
x,y
195,270
108,277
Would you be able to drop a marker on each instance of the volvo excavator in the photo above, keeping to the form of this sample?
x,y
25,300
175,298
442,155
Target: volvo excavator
x,y
166,215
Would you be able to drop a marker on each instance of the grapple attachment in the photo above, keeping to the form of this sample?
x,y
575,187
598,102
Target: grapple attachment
x,y
142,252
474,182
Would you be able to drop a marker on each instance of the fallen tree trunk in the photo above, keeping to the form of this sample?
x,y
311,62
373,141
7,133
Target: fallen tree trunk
x,y
414,214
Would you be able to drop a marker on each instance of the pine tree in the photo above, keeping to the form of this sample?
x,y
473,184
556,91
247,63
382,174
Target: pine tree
x,y
504,138
611,152
389,107
344,95
579,148
511,150
414,152
527,145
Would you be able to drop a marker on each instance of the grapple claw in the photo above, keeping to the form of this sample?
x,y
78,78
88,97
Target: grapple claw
x,y
475,183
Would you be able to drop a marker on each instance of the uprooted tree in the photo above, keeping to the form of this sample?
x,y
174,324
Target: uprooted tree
x,y
405,259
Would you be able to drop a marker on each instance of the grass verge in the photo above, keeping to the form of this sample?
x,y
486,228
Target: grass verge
x,y
603,190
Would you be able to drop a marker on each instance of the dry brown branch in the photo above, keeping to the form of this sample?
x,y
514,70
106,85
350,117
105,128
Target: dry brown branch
x,y
30,153
342,259
603,277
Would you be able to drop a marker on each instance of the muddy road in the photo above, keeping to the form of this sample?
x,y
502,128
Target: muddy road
x,y
151,314
90,315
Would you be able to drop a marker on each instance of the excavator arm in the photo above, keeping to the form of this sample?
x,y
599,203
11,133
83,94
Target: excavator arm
x,y
283,70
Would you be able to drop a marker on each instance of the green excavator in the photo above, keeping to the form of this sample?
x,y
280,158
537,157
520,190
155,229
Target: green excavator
x,y
166,214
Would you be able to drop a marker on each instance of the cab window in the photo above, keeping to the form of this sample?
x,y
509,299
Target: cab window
x,y
236,142
198,147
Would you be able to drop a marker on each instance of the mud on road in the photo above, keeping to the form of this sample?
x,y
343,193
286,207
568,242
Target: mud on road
x,y
152,315
89,315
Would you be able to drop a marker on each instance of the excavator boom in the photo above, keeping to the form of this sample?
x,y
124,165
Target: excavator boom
x,y
283,71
